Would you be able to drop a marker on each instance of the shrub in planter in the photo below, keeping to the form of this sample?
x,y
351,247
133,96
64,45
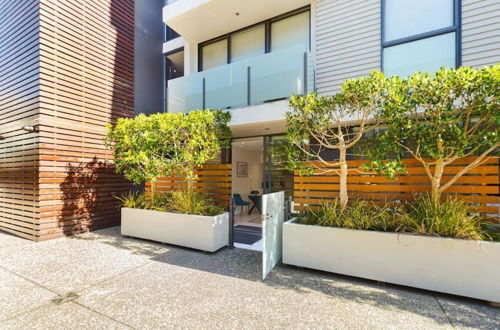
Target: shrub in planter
x,y
169,144
450,218
165,144
358,214
415,246
430,243
195,203
447,218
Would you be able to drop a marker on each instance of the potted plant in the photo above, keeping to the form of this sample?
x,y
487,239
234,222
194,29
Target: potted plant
x,y
170,144
433,242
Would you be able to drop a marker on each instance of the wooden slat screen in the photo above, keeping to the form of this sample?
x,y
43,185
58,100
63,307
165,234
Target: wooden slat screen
x,y
214,180
66,67
86,81
479,187
19,103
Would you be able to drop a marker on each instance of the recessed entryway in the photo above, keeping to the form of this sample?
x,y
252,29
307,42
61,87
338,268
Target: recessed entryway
x,y
247,189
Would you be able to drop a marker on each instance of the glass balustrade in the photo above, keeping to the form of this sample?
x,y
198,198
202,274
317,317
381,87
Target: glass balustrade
x,y
168,2
260,79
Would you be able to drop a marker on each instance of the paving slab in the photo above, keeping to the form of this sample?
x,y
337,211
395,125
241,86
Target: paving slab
x,y
71,264
64,316
18,295
7,240
187,289
103,280
468,314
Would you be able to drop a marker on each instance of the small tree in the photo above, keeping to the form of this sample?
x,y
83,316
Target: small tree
x,y
147,147
317,124
439,118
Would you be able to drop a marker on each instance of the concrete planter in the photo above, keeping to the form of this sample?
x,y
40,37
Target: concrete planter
x,y
193,231
456,266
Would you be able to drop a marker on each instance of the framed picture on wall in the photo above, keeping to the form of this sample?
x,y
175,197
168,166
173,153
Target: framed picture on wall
x,y
242,169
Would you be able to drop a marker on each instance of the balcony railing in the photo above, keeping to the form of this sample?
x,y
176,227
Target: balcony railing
x,y
168,2
260,79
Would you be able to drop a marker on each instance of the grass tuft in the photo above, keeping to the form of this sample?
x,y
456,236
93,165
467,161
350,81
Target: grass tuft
x,y
449,218
177,201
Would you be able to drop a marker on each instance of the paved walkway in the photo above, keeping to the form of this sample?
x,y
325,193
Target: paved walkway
x,y
101,280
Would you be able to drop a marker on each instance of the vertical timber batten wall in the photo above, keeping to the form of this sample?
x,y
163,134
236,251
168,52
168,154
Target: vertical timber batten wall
x,y
60,180
19,103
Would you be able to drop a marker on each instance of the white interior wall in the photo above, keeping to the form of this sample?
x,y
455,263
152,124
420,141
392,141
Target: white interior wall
x,y
244,185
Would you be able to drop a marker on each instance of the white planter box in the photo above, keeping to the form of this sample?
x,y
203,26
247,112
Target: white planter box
x,y
456,266
193,231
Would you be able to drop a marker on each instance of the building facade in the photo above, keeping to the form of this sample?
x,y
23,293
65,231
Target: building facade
x,y
305,45
67,68
249,56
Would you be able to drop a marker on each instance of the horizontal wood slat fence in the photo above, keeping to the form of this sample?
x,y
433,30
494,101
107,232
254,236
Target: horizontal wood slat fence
x,y
66,68
479,187
214,180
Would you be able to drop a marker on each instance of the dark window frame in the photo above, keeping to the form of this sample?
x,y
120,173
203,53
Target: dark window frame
x,y
267,32
165,75
456,27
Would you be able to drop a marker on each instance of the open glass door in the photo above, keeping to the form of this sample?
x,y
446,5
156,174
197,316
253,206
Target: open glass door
x,y
273,214
276,176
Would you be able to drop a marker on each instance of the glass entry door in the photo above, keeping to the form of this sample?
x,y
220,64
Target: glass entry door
x,y
276,176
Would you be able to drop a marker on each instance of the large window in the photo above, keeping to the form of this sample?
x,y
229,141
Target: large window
x,y
214,54
278,33
420,35
290,31
248,43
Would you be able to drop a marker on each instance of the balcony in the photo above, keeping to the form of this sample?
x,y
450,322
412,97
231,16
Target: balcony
x,y
200,20
258,80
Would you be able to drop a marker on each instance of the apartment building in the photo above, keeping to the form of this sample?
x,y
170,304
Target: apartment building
x,y
67,68
249,56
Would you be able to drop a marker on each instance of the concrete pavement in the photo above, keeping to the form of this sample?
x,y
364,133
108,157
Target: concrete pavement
x,y
102,280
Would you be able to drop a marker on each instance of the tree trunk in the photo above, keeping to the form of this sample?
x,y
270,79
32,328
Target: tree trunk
x,y
190,178
153,189
436,182
343,177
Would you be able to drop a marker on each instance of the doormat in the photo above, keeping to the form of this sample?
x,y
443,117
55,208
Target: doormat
x,y
247,234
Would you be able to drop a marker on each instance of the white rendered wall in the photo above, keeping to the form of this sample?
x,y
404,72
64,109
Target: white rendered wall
x,y
244,185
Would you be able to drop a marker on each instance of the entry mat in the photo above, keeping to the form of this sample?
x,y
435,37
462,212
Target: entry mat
x,y
247,234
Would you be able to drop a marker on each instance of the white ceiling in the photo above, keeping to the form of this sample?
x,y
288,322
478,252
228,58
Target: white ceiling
x,y
259,129
201,20
250,145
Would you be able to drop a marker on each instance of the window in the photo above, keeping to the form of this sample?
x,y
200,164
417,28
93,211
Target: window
x,y
175,64
214,54
248,43
421,35
288,30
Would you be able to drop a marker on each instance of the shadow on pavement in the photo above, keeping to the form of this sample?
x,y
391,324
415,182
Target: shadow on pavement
x,y
246,265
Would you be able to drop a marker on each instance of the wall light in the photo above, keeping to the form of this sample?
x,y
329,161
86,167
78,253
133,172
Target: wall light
x,y
30,129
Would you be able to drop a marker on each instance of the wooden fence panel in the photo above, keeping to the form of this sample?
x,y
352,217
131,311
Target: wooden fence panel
x,y
479,187
214,180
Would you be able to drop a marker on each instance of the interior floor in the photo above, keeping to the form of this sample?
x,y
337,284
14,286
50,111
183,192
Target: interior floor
x,y
248,231
253,219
